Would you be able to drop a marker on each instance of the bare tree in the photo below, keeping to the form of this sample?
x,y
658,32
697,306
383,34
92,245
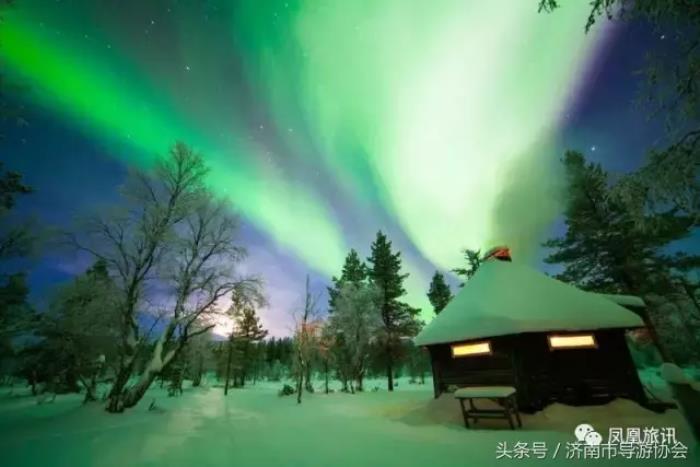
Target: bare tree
x,y
307,326
326,342
169,217
201,262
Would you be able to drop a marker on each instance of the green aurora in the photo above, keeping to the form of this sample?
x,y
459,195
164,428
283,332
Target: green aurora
x,y
324,121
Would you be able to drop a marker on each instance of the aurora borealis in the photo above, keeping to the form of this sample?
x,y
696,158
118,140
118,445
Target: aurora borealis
x,y
324,121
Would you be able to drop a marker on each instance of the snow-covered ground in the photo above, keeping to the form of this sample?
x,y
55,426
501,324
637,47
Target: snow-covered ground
x,y
255,427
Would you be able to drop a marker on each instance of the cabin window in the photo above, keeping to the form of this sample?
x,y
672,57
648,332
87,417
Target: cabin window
x,y
470,350
578,341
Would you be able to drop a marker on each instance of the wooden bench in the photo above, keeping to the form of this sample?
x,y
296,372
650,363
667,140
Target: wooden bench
x,y
503,395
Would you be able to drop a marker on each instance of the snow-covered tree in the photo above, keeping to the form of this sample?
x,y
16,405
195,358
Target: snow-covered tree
x,y
170,228
16,241
199,356
354,271
357,320
76,336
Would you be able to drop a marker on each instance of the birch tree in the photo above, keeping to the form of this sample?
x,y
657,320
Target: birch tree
x,y
168,217
357,319
201,263
307,326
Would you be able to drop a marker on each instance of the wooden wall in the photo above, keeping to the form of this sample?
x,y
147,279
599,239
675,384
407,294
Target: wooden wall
x,y
543,376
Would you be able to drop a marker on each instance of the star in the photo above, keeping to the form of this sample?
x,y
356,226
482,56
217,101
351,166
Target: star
x,y
187,68
593,148
663,36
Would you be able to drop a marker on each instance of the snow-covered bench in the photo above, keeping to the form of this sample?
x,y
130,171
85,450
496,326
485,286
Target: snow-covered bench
x,y
503,395
687,393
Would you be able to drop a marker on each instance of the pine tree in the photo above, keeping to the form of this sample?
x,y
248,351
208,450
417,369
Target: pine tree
x,y
670,88
398,319
602,250
473,258
248,331
354,271
439,293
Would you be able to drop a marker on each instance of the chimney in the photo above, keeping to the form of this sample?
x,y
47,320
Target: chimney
x,y
499,253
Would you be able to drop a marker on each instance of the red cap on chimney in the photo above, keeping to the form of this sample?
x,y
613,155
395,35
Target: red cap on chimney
x,y
501,253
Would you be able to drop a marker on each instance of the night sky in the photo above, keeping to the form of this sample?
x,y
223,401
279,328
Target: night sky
x,y
440,123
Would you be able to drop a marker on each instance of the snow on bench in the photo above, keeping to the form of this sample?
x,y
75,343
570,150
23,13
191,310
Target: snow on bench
x,y
478,392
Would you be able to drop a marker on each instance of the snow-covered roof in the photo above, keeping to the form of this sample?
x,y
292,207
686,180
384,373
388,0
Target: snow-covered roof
x,y
511,298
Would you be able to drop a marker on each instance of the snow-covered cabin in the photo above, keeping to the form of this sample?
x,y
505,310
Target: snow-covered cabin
x,y
513,325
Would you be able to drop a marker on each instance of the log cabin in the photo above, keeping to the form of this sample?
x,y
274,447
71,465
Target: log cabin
x,y
511,325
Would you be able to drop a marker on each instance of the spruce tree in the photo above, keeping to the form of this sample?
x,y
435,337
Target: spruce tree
x,y
398,319
473,258
248,331
602,250
354,271
439,293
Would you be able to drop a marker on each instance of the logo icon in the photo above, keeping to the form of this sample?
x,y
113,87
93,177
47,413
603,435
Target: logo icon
x,y
586,434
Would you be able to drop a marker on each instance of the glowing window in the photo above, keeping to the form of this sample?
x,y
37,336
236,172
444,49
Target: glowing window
x,y
468,350
579,341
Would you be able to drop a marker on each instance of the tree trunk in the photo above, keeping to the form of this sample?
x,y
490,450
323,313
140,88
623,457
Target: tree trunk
x,y
655,338
389,372
130,397
90,388
300,380
32,382
116,392
228,364
307,379
134,394
197,379
325,370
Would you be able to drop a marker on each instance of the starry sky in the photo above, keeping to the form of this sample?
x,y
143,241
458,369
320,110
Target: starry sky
x,y
440,123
